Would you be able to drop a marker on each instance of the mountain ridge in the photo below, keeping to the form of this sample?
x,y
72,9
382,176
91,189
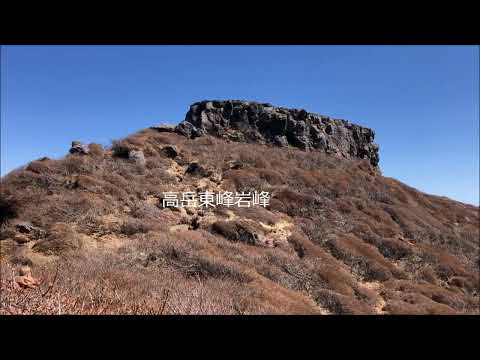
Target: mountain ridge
x,y
252,121
91,233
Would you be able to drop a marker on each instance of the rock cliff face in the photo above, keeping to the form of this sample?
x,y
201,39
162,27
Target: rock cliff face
x,y
248,121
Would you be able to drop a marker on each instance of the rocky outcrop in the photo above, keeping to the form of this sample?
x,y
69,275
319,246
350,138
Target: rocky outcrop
x,y
137,157
79,148
26,228
249,121
170,151
164,128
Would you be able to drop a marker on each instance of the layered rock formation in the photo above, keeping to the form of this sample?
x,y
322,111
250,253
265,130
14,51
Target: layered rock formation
x,y
249,121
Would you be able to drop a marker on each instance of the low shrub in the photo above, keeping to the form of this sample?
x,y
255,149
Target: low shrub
x,y
39,167
134,226
297,243
96,149
235,231
121,149
8,208
394,249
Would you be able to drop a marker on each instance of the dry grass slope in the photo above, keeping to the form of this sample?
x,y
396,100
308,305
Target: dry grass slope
x,y
338,237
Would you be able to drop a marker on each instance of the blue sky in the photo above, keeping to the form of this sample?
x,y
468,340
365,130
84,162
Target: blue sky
x,y
422,101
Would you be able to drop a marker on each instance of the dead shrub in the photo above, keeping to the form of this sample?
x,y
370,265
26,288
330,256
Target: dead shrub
x,y
445,265
116,180
257,213
287,271
469,285
261,163
297,242
158,138
187,253
236,231
298,204
74,165
157,163
385,231
135,226
203,268
121,149
19,258
246,180
416,304
394,249
316,229
340,304
60,238
345,206
96,149
340,187
427,274
381,196
362,230
363,258
38,166
271,176
8,208
432,292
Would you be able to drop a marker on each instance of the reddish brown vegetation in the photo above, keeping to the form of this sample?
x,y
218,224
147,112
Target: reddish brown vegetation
x,y
356,242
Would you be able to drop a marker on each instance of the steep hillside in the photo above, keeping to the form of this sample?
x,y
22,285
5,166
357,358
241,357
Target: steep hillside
x,y
91,233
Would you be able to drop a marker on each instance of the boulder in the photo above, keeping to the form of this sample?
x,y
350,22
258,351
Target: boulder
x,y
188,130
280,141
25,278
137,156
25,227
79,148
170,151
196,169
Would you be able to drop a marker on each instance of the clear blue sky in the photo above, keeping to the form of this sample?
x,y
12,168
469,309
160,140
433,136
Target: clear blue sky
x,y
422,101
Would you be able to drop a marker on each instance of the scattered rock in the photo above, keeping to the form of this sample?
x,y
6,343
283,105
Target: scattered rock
x,y
164,128
25,227
137,156
170,151
188,130
25,278
195,168
280,141
79,148
236,164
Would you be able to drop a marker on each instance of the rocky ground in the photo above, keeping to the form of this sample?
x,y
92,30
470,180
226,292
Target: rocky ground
x,y
90,234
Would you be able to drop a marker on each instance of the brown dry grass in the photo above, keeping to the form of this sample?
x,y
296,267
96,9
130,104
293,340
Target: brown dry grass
x,y
350,227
